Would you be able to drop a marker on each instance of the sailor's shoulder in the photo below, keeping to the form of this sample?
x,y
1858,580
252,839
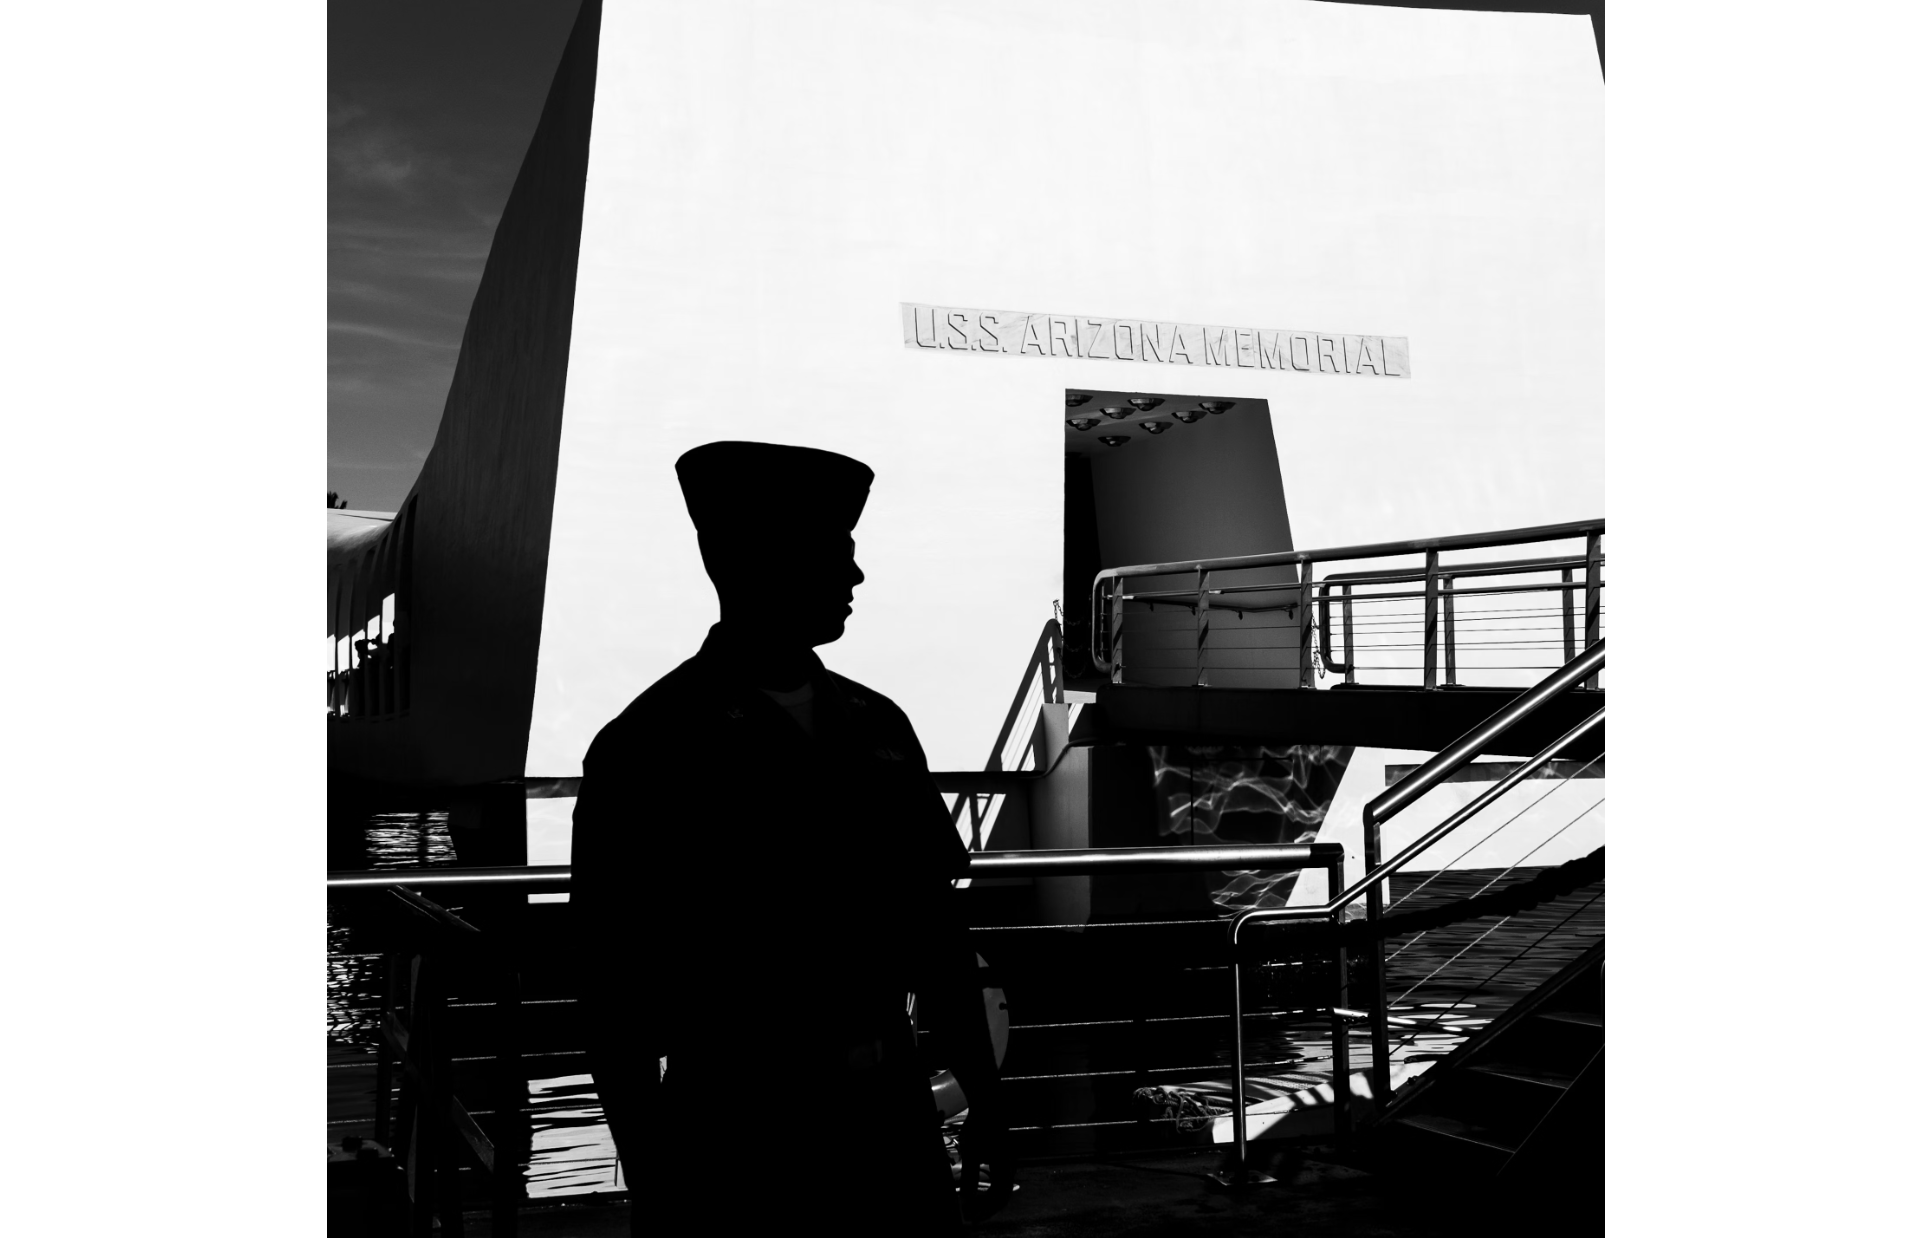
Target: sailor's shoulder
x,y
677,701
874,707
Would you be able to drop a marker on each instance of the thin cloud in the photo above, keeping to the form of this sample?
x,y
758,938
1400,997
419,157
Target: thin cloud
x,y
390,335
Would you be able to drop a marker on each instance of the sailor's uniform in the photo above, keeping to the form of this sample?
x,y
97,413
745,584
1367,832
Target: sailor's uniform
x,y
756,903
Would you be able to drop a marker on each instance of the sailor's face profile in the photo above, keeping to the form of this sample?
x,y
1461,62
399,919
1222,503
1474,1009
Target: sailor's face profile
x,y
814,575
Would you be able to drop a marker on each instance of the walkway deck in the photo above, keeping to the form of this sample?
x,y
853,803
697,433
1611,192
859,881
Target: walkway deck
x,y
1165,1195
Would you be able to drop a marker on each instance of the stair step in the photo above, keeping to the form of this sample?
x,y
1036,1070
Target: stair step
x,y
1582,1018
1451,1128
1525,1074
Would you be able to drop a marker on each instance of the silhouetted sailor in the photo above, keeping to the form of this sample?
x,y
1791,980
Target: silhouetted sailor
x,y
763,870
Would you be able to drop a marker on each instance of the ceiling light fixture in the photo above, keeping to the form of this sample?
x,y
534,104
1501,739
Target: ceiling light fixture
x,y
1154,427
1114,412
1145,403
1076,399
1215,407
1114,440
1188,415
1082,423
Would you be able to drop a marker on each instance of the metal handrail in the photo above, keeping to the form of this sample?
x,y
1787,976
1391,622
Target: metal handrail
x,y
1394,800
1107,593
1269,856
1505,567
1374,550
1038,863
1477,740
1045,670
1375,877
1047,863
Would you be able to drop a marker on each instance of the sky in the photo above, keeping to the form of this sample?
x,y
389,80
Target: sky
x,y
430,105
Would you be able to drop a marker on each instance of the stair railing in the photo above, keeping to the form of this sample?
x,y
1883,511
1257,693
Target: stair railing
x,y
1310,600
1016,748
1370,887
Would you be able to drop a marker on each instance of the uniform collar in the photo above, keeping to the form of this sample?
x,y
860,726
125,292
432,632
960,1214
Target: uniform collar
x,y
718,662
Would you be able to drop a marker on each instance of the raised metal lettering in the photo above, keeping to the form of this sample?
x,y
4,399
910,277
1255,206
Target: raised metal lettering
x,y
1163,343
956,336
1156,347
1063,342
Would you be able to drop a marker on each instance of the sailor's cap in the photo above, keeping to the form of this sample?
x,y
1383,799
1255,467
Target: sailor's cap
x,y
736,487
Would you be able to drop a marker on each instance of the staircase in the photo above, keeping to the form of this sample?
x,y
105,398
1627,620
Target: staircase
x,y
1514,1115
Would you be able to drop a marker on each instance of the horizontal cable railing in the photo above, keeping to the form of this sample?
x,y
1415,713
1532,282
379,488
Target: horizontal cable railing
x,y
1271,620
1182,1042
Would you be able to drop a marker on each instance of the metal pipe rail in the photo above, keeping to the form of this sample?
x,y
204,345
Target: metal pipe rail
x,y
1505,567
1108,594
1052,863
1046,863
1393,801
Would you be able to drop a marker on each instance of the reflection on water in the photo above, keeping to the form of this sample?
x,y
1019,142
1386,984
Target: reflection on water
x,y
572,1150
353,979
1211,794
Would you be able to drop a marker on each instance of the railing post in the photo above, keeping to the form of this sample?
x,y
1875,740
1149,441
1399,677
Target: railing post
x,y
1350,641
1380,998
1340,1032
1203,621
1117,629
1306,673
1240,1140
1592,595
1430,619
1569,611
514,1139
383,1067
1449,586
1240,1174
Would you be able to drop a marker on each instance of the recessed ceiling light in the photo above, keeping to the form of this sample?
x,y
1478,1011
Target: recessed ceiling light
x,y
1114,440
1082,423
1216,406
1114,412
1154,427
1076,399
1145,403
1187,415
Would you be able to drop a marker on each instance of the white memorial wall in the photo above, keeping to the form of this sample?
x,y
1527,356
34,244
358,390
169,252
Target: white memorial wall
x,y
780,195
